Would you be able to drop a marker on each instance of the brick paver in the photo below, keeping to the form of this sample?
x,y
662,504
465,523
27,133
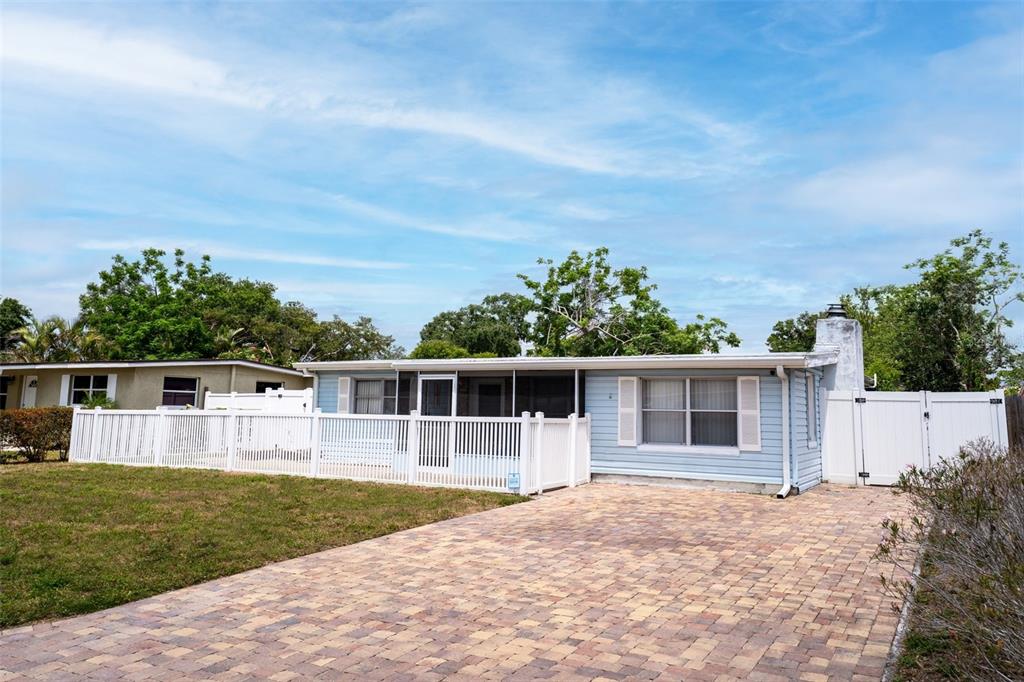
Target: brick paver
x,y
601,582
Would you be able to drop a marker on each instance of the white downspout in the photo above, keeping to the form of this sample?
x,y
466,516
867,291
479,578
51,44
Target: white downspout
x,y
787,479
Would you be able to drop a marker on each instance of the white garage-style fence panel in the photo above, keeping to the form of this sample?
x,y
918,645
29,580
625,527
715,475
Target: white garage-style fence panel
x,y
871,437
276,400
527,454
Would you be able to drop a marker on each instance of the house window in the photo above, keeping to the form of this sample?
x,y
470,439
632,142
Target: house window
x,y
5,382
262,386
812,414
690,412
376,396
85,386
180,391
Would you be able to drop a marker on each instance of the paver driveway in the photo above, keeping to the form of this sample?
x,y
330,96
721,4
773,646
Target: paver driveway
x,y
604,581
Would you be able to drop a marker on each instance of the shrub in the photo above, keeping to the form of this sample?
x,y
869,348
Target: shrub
x,y
968,520
99,400
35,431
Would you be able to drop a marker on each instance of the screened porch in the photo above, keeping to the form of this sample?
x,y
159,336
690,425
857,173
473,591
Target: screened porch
x,y
557,394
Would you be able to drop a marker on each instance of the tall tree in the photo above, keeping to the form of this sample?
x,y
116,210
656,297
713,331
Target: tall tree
x,y
946,332
56,339
795,335
149,311
360,340
13,316
497,325
584,307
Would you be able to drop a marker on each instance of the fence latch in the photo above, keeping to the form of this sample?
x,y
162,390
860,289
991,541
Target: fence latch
x,y
860,400
927,415
995,401
864,474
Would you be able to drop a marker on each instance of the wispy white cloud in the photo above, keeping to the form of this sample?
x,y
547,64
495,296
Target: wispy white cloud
x,y
128,60
232,252
922,190
562,138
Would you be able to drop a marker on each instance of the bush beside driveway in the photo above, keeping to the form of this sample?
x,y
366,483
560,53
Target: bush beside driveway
x,y
603,581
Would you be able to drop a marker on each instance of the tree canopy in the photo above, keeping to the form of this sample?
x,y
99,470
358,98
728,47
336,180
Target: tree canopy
x,y
585,307
944,332
146,309
13,316
795,335
497,325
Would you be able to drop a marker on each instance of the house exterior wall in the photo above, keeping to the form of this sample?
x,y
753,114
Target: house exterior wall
x,y
327,389
141,388
806,454
608,457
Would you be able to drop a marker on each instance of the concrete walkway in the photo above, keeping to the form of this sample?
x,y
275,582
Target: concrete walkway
x,y
604,581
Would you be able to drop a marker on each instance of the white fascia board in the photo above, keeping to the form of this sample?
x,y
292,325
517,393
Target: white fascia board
x,y
155,363
719,361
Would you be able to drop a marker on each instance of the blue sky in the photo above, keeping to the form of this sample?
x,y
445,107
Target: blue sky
x,y
396,160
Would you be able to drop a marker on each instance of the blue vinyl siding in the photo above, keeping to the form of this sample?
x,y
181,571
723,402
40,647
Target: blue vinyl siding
x,y
602,396
806,460
327,392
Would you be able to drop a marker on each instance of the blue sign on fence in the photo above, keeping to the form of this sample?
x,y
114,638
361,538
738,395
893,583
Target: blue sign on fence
x,y
513,481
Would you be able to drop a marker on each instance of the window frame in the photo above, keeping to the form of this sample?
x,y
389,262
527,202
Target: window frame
x,y
5,390
278,386
689,447
91,391
383,397
164,390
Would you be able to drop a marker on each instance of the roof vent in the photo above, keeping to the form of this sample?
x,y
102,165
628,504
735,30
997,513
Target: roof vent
x,y
836,310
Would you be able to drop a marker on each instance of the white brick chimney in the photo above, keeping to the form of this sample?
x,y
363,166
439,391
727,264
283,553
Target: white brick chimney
x,y
837,332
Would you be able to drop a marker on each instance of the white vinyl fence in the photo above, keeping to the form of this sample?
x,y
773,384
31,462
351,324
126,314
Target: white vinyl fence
x,y
280,400
870,437
510,454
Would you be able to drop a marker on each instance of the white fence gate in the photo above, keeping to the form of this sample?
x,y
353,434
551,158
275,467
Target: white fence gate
x,y
509,454
871,437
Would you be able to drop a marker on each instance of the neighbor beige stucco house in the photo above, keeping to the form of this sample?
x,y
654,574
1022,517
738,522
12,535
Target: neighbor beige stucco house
x,y
138,385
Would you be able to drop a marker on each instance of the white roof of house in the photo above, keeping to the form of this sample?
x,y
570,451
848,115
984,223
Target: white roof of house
x,y
711,361
116,364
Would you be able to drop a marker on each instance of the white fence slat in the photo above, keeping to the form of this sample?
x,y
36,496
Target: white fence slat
x,y
466,452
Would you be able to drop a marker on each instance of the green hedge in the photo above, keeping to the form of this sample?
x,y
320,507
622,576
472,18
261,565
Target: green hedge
x,y
34,431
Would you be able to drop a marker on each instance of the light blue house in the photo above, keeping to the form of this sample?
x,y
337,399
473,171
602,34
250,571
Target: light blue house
x,y
747,421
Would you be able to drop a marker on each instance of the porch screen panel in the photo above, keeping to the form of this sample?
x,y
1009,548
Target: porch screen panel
x,y
714,412
664,411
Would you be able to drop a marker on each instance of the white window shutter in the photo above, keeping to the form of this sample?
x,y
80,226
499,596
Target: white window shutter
x,y
112,386
344,392
812,413
65,389
750,413
627,410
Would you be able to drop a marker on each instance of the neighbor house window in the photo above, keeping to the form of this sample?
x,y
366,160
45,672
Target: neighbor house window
x,y
812,413
376,396
4,383
85,386
180,391
262,386
690,412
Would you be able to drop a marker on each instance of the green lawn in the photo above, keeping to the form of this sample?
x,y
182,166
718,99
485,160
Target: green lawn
x,y
81,537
